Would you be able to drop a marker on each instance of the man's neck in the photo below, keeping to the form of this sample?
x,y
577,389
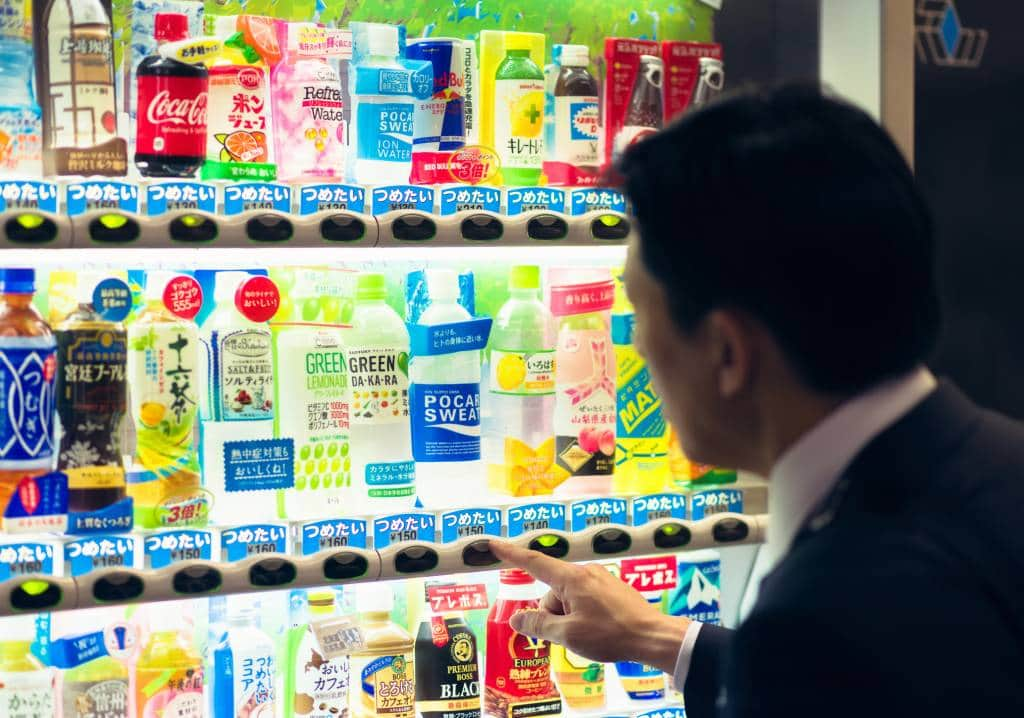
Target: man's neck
x,y
789,414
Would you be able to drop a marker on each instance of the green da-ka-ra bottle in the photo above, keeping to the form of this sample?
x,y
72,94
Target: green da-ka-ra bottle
x,y
519,114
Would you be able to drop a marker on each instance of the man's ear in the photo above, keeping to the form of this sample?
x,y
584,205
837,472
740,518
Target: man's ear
x,y
732,346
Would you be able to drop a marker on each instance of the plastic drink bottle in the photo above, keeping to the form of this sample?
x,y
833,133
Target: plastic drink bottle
x,y
163,359
171,122
98,688
384,667
245,673
644,115
585,410
92,398
445,407
24,681
577,115
519,115
28,368
517,680
169,672
644,685
580,680
383,472
447,666
238,138
20,116
315,686
519,441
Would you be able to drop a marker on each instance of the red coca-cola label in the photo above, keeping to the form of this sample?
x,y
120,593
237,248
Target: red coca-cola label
x,y
172,116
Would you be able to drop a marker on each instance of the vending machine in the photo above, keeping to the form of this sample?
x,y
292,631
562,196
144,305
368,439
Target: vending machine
x,y
303,302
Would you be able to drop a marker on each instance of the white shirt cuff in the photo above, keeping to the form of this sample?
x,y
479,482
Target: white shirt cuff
x,y
685,654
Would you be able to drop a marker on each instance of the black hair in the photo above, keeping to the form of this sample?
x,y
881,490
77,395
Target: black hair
x,y
800,210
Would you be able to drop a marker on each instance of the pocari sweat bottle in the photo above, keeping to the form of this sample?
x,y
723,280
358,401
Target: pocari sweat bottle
x,y
445,408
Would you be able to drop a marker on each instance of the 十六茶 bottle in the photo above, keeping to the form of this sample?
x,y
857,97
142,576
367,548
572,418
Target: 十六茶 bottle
x,y
519,115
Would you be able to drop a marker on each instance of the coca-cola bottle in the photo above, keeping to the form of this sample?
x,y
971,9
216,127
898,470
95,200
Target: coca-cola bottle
x,y
171,119
644,115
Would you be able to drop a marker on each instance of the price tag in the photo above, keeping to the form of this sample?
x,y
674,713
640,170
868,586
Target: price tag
x,y
15,194
332,533
468,597
535,517
253,539
88,554
597,512
323,197
86,196
715,501
529,199
582,201
164,197
24,557
258,299
462,199
403,527
399,197
183,297
650,574
460,524
163,549
112,299
658,506
246,196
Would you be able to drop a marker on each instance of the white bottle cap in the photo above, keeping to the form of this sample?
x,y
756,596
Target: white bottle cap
x,y
225,26
374,598
156,283
442,285
575,56
226,284
382,40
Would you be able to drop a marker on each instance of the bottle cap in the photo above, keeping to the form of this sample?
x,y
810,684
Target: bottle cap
x,y
156,283
575,55
370,286
320,602
442,285
517,41
382,40
225,26
374,598
515,577
18,281
524,276
170,26
226,284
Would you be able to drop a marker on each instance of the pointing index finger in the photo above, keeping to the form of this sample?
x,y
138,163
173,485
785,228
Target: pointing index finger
x,y
551,571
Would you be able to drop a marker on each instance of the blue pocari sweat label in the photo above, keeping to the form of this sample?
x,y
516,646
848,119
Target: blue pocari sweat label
x,y
528,199
18,559
26,194
400,197
384,131
332,533
403,527
463,523
95,552
164,197
167,547
597,512
462,199
437,339
246,196
582,201
698,595
253,539
715,501
445,422
86,196
654,507
28,368
325,197
535,517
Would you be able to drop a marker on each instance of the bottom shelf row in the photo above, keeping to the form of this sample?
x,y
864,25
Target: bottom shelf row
x,y
440,647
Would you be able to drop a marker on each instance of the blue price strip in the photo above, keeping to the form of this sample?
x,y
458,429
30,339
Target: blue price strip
x,y
588,200
403,527
715,501
321,197
332,533
465,523
167,547
598,512
25,194
401,197
535,517
244,541
95,552
463,199
528,199
658,506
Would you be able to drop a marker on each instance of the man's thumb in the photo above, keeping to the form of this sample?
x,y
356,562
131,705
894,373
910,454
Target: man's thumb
x,y
537,623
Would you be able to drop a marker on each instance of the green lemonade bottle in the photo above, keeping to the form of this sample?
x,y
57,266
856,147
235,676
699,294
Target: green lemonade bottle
x,y
519,115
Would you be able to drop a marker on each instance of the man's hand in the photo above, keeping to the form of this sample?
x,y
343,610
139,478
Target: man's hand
x,y
593,613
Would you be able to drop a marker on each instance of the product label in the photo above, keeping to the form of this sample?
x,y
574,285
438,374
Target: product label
x,y
658,506
642,683
582,201
523,373
393,479
437,339
28,368
321,683
446,422
585,410
242,376
403,527
332,533
458,597
162,197
163,549
447,669
698,595
237,143
84,197
92,397
85,555
325,197
38,503
530,199
525,470
338,636
519,123
518,673
577,126
251,540
96,699
582,298
463,199
115,517
20,559
309,121
170,692
597,512
257,465
464,523
581,680
535,517
172,116
650,574
387,685
380,385
640,428
246,196
715,501
24,194
21,148
30,701
251,676
183,297
112,299
384,131
400,197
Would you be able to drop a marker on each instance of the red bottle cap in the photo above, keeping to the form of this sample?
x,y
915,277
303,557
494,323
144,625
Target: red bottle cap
x,y
515,577
170,26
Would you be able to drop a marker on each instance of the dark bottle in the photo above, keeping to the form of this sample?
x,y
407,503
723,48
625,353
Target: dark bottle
x,y
171,117
92,397
644,116
447,667
577,115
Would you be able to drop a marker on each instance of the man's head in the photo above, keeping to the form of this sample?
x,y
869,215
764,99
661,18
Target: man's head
x,y
784,262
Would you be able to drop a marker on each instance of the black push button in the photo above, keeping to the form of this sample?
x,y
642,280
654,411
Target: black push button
x,y
612,541
547,227
479,553
482,227
672,536
413,228
729,530
416,559
344,566
36,595
269,228
342,228
114,229
118,586
609,227
31,229
272,572
193,229
551,545
196,580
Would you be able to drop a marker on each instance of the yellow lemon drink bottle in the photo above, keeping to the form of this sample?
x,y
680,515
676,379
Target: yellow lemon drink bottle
x,y
519,116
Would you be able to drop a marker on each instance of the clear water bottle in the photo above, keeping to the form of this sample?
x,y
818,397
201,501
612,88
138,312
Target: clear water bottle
x,y
445,408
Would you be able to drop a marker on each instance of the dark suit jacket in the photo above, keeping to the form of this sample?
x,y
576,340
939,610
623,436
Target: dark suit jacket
x,y
902,596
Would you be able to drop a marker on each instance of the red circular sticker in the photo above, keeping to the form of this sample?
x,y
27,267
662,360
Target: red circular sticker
x,y
183,297
474,164
258,299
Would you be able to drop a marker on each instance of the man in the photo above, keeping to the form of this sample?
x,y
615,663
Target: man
x,y
785,303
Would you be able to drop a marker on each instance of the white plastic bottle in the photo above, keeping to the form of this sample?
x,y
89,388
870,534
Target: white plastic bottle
x,y
24,681
383,472
445,408
237,405
245,674
519,436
